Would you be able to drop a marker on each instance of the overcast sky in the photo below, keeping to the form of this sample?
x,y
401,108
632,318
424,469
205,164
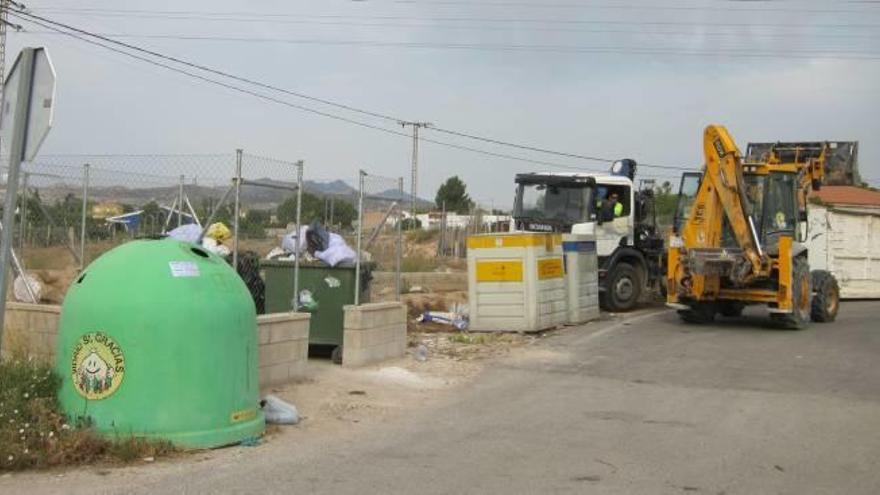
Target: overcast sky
x,y
560,74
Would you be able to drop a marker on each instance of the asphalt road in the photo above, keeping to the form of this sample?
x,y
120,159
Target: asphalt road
x,y
649,406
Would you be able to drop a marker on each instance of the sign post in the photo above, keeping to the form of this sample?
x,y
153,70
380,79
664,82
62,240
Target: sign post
x,y
25,119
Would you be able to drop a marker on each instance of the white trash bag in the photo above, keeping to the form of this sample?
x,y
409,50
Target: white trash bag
x,y
19,289
279,412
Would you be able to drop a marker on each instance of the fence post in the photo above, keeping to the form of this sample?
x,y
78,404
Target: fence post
x,y
180,201
400,236
237,208
299,188
360,231
85,211
23,213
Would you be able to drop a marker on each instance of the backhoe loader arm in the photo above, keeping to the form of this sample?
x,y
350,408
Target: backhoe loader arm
x,y
722,191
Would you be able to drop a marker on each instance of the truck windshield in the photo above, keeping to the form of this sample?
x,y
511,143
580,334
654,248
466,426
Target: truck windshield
x,y
556,203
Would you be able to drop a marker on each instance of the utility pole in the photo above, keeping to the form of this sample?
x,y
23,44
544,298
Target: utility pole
x,y
415,163
4,16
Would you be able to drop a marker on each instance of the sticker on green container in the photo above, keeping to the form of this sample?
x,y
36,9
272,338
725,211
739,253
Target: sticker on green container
x,y
98,366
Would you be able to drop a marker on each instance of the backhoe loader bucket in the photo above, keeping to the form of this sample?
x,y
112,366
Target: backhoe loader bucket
x,y
841,164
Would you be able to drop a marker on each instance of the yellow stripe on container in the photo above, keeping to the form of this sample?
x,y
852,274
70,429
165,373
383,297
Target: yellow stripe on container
x,y
550,268
514,241
499,271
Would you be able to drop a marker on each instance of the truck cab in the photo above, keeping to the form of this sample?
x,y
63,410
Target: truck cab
x,y
628,245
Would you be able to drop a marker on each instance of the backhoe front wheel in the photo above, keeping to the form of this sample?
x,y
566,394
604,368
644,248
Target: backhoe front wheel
x,y
698,313
826,297
799,318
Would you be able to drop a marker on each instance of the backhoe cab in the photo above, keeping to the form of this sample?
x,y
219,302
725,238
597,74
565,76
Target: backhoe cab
x,y
738,235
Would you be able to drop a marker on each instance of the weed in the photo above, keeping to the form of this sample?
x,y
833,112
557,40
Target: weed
x,y
34,433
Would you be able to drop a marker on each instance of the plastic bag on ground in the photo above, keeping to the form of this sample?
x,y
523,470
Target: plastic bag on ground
x,y
186,233
337,252
279,412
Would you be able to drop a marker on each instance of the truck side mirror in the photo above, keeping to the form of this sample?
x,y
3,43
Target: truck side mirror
x,y
802,216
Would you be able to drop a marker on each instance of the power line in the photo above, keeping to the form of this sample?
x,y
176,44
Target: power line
x,y
609,49
46,23
279,18
307,109
557,29
471,3
51,25
507,4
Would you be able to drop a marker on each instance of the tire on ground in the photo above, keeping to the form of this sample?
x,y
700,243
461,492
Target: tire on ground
x,y
731,309
623,287
699,313
826,297
799,318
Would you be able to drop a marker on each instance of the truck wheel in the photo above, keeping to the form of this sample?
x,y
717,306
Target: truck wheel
x,y
623,287
826,297
699,313
336,355
799,318
731,309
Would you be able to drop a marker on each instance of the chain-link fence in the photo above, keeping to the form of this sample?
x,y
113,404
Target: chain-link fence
x,y
379,233
73,208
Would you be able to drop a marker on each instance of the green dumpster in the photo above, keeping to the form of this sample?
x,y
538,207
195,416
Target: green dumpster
x,y
330,288
158,339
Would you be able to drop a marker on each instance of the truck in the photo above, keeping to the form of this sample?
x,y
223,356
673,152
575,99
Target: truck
x,y
630,247
739,235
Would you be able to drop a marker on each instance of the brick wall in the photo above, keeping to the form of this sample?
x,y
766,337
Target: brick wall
x,y
284,346
31,330
373,333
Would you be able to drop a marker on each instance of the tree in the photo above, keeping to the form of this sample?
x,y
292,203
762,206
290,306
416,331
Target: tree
x,y
313,210
453,193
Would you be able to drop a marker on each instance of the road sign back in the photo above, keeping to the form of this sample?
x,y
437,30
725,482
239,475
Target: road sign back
x,y
41,106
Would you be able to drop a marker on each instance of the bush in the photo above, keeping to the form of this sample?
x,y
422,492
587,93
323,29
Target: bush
x,y
34,433
422,235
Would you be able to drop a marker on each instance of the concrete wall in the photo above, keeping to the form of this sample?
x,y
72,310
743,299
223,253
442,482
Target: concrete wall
x,y
431,281
284,346
373,333
31,330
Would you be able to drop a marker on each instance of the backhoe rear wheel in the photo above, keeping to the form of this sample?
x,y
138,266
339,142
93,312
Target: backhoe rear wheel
x,y
698,313
799,318
826,297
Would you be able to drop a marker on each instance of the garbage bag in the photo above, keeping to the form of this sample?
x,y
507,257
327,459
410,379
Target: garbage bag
x,y
186,233
293,243
219,232
337,252
249,271
19,288
214,247
279,412
317,238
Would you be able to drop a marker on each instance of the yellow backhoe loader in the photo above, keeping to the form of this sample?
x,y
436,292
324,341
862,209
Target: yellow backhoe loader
x,y
738,236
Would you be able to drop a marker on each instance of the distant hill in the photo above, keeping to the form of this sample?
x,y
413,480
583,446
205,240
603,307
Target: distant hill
x,y
252,196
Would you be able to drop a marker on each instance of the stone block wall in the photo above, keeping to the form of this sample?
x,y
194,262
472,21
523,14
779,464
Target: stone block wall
x,y
373,333
284,347
31,330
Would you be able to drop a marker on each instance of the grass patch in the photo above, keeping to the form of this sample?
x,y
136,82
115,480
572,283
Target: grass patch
x,y
419,263
421,235
35,434
468,338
